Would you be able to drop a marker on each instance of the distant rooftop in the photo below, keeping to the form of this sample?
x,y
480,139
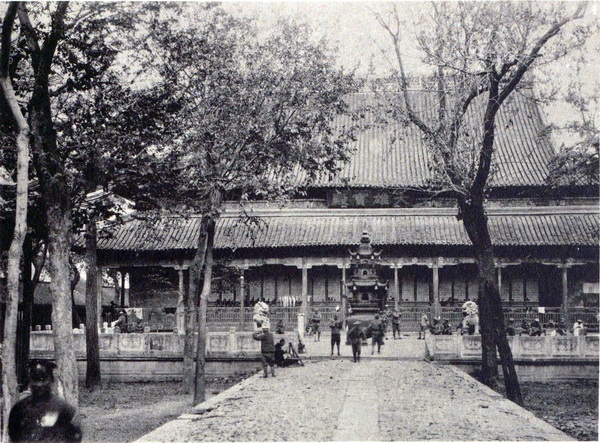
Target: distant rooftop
x,y
395,154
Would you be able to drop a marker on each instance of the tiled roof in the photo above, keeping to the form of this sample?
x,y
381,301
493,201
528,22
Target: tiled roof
x,y
293,228
395,154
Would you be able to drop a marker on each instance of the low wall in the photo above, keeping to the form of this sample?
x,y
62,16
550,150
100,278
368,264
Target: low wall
x,y
451,347
156,356
536,358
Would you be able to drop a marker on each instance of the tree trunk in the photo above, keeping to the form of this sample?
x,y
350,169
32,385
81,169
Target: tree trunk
x,y
493,330
54,188
191,304
59,245
9,370
200,381
189,313
27,309
92,375
13,271
35,258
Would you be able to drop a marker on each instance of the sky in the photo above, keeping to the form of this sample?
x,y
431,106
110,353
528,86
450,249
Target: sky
x,y
352,27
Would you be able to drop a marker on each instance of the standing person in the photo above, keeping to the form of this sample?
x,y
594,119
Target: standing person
x,y
578,328
378,330
396,315
423,325
356,335
385,319
316,324
267,348
336,333
43,416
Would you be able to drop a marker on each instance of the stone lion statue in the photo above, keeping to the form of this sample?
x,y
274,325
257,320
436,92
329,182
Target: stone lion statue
x,y
261,312
470,323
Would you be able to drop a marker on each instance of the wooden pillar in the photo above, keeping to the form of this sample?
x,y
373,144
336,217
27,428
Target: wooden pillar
x,y
180,300
305,290
124,302
242,301
500,281
565,293
99,298
344,296
396,288
436,307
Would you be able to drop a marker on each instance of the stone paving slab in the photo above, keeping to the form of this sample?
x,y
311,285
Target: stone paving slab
x,y
374,400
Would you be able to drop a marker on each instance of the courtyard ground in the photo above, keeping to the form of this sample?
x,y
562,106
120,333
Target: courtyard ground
x,y
337,400
126,411
123,412
572,407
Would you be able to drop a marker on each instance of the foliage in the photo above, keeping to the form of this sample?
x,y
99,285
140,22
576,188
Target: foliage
x,y
251,112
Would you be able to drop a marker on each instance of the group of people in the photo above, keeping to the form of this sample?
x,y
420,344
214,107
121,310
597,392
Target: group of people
x,y
536,329
438,327
358,334
376,330
273,354
128,323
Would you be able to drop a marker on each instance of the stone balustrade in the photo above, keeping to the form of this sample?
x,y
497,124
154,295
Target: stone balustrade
x,y
157,344
468,347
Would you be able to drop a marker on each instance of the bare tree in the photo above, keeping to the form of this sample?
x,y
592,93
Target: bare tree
x,y
477,54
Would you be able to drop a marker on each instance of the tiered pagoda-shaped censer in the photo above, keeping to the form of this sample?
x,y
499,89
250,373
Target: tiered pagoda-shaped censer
x,y
367,294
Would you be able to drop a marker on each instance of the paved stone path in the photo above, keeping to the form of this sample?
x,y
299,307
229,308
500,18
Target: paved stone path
x,y
407,348
374,400
359,419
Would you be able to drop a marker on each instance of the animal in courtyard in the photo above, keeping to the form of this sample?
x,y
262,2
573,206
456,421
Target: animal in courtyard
x,y
43,416
470,318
